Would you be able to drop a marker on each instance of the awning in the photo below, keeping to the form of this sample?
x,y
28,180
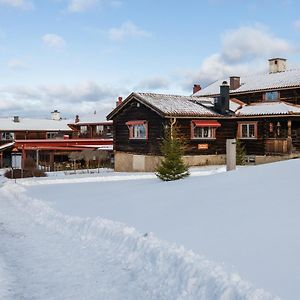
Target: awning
x,y
206,123
136,122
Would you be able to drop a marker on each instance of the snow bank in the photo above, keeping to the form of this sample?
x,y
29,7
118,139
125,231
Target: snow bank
x,y
108,176
5,279
164,270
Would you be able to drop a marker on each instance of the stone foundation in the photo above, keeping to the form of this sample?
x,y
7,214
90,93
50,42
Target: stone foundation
x,y
128,162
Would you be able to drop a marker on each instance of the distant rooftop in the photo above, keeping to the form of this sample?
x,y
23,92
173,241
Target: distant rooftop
x,y
23,124
268,108
257,82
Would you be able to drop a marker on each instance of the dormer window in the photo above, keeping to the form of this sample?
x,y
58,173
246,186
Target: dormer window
x,y
272,96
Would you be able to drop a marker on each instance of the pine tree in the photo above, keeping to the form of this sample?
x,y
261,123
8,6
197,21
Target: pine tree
x,y
172,166
240,153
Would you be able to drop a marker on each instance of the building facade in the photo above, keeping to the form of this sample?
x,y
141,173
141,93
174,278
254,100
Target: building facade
x,y
262,111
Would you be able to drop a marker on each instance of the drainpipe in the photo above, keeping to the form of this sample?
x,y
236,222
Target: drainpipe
x,y
172,124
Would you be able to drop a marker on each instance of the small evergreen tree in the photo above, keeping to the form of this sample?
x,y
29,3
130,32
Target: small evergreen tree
x,y
240,153
172,166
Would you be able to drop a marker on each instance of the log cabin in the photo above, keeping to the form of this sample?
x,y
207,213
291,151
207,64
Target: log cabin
x,y
261,110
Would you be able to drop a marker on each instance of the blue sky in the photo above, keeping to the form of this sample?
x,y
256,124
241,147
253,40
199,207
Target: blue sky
x,y
77,56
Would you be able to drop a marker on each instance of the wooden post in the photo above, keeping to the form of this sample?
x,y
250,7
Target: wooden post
x,y
230,154
51,161
289,139
37,158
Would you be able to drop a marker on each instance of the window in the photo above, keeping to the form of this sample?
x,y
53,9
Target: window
x,y
7,136
204,129
51,135
247,130
204,133
272,96
83,129
99,129
138,130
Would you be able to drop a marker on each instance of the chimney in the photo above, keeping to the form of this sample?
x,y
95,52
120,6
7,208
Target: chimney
x,y
55,115
77,119
119,102
277,65
196,88
222,102
235,82
16,119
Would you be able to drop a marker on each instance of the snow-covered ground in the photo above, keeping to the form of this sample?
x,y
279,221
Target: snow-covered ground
x,y
56,241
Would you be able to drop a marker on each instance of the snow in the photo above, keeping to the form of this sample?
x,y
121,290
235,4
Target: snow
x,y
45,254
197,238
8,124
255,82
269,108
175,105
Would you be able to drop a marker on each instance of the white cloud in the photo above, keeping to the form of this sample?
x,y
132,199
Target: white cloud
x,y
77,6
127,30
81,5
83,98
54,41
244,50
249,42
17,64
154,83
22,4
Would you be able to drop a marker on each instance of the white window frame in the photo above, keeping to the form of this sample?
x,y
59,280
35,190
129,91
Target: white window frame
x,y
248,135
99,129
204,133
7,136
83,129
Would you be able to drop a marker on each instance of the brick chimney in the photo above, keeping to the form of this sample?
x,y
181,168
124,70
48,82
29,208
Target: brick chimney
x,y
119,102
235,82
196,88
77,119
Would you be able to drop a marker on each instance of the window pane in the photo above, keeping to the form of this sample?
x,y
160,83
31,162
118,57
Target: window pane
x,y
203,132
139,131
272,96
251,131
244,130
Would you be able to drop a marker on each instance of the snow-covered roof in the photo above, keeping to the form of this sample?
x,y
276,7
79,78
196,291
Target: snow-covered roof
x,y
169,105
257,82
91,119
209,102
8,124
269,108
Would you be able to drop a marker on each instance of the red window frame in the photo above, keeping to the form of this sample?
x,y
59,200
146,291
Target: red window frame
x,y
131,124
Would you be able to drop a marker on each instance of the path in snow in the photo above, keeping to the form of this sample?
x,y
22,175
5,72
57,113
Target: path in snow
x,y
46,255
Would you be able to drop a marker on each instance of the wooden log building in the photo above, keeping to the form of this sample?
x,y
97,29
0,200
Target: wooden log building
x,y
261,110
